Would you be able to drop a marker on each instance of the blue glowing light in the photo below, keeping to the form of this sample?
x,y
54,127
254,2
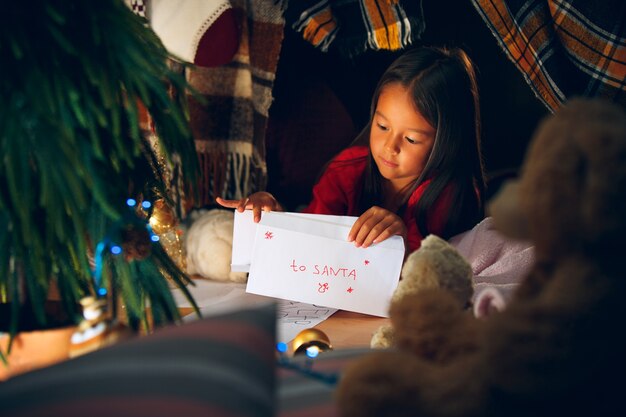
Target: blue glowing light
x,y
131,202
116,250
102,291
281,347
146,204
154,238
312,351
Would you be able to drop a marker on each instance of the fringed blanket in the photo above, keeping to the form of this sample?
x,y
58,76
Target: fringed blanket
x,y
229,127
564,48
353,26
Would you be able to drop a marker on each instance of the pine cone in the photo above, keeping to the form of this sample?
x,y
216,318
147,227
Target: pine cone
x,y
136,243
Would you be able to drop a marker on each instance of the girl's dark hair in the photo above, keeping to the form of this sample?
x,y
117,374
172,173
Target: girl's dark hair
x,y
443,85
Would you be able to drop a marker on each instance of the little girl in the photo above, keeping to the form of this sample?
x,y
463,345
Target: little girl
x,y
416,168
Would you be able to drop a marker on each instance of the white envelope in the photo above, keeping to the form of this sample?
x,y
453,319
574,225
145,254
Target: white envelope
x,y
245,229
307,258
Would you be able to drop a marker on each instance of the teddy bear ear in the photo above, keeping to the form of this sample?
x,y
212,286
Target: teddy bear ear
x,y
508,217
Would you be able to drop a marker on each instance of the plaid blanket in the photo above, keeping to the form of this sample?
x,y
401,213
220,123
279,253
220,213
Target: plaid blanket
x,y
564,48
353,26
229,126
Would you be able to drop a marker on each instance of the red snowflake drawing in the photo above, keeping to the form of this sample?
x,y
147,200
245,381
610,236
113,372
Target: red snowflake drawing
x,y
269,235
367,262
350,289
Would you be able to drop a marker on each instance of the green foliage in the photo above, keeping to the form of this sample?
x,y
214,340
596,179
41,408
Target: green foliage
x,y
71,73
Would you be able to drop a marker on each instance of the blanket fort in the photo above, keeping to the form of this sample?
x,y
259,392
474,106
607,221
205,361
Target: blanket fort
x,y
307,258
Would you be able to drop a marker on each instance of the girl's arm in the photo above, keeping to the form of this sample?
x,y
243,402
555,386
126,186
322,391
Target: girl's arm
x,y
256,202
376,225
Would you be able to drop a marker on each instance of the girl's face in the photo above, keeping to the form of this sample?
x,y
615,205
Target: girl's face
x,y
400,138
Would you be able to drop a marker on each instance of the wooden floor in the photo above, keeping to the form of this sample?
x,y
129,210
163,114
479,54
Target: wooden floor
x,y
346,329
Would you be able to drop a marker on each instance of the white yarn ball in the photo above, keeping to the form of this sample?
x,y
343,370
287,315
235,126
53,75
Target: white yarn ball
x,y
208,243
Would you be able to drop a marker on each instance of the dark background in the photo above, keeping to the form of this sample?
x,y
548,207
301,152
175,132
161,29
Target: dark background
x,y
321,101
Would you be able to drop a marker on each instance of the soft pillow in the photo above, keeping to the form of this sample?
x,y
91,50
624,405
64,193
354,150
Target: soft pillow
x,y
221,366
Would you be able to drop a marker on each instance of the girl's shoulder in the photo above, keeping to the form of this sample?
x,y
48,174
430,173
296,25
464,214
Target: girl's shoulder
x,y
418,192
352,153
444,196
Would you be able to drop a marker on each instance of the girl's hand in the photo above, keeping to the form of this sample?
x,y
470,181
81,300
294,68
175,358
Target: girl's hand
x,y
376,225
257,202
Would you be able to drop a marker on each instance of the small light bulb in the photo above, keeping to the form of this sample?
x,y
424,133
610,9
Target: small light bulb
x,y
116,250
131,202
312,351
281,347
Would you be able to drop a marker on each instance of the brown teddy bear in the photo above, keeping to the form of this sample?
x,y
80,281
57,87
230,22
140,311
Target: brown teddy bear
x,y
559,347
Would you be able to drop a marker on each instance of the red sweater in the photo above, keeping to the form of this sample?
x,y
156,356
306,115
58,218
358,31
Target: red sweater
x,y
337,192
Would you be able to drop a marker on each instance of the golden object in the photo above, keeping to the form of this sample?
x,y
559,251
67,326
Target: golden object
x,y
164,224
163,217
311,338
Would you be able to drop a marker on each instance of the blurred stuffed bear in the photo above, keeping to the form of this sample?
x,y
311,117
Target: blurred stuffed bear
x,y
557,349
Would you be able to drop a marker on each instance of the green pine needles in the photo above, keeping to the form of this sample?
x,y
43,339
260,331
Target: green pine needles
x,y
71,74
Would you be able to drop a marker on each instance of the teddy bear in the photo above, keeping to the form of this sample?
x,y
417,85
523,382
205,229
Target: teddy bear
x,y
208,243
558,346
437,264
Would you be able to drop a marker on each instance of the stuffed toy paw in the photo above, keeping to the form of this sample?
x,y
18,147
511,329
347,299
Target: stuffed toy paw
x,y
208,244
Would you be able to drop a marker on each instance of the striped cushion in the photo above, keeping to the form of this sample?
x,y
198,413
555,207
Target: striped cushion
x,y
222,366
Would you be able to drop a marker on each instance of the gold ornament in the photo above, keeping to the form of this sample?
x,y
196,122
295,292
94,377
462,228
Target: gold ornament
x,y
163,218
165,225
313,339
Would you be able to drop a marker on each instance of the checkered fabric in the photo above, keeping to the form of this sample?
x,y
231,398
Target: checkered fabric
x,y
139,7
564,48
230,122
353,26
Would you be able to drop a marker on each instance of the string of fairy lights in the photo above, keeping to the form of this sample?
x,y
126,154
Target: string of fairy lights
x,y
115,248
